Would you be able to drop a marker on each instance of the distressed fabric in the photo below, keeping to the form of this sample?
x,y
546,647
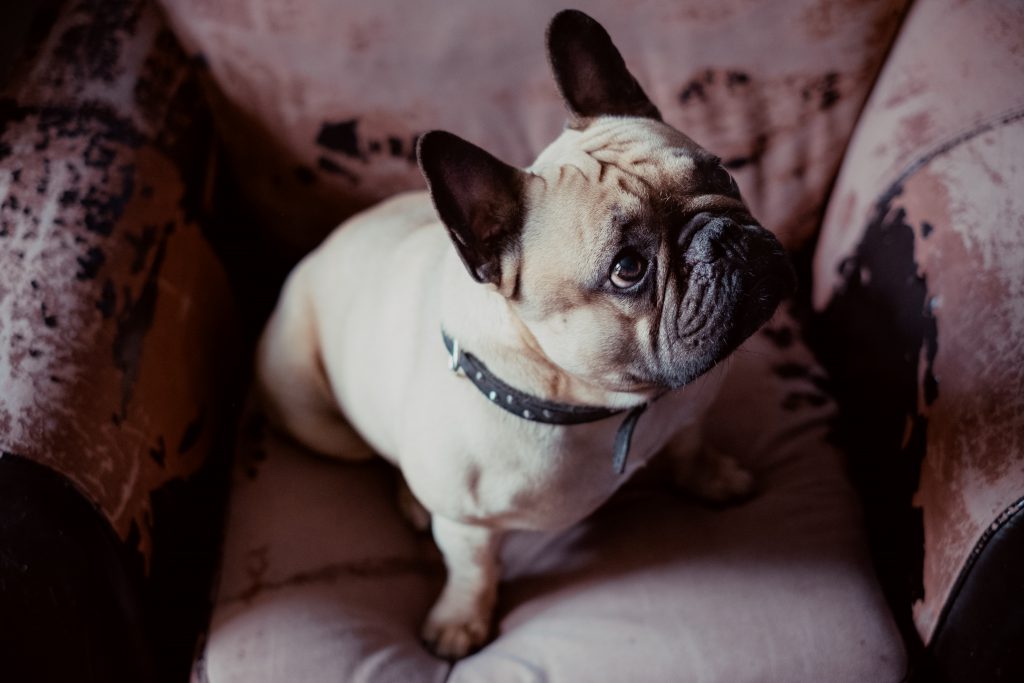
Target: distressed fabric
x,y
919,276
320,102
323,580
113,309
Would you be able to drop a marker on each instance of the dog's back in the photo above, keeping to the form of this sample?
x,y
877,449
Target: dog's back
x,y
347,294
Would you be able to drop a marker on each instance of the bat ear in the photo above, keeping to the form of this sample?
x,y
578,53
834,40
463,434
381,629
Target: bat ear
x,y
590,72
477,197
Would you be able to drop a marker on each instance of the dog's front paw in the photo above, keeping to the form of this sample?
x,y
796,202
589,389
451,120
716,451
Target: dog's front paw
x,y
453,636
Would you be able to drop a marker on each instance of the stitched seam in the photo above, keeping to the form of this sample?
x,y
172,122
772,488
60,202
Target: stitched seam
x,y
965,134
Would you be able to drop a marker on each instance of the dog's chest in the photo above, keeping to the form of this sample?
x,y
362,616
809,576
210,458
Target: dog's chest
x,y
523,475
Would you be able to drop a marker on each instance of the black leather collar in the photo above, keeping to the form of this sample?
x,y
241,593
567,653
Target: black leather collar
x,y
536,409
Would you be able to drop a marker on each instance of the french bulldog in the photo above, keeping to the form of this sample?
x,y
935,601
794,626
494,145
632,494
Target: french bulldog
x,y
519,341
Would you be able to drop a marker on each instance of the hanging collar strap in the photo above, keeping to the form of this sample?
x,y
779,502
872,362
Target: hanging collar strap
x,y
536,409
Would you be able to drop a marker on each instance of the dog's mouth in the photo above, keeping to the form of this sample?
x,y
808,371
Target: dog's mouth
x,y
730,278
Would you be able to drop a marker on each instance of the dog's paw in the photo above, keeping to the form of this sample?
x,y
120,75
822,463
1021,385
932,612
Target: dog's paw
x,y
454,636
717,478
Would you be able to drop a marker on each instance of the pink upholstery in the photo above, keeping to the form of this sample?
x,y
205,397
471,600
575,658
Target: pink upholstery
x,y
941,141
319,104
320,101
117,328
323,580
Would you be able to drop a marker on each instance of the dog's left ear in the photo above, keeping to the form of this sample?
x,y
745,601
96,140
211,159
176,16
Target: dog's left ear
x,y
590,72
477,197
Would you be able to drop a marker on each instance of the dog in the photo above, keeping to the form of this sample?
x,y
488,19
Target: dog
x,y
519,341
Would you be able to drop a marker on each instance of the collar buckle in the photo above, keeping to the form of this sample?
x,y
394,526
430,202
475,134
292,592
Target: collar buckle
x,y
455,357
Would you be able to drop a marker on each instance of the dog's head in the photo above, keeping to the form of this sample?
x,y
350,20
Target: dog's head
x,y
625,249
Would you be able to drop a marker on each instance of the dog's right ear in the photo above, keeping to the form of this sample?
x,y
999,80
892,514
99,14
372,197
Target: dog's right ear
x,y
590,71
477,197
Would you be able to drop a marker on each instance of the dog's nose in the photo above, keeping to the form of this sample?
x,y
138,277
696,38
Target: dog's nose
x,y
707,245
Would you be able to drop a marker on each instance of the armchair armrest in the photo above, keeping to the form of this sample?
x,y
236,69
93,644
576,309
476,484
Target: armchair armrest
x,y
919,284
114,330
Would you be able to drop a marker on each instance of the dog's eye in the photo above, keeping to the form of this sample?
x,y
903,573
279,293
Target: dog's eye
x,y
628,269
723,178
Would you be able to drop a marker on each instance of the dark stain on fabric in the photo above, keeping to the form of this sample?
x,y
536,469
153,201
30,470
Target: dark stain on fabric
x,y
102,131
49,319
193,430
89,264
133,323
695,90
98,154
159,452
104,206
735,79
304,175
189,144
341,137
781,337
395,146
760,146
83,120
325,164
107,303
870,338
825,89
158,81
91,48
143,243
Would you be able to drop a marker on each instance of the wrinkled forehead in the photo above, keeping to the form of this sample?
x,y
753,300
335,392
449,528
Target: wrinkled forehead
x,y
621,165
640,146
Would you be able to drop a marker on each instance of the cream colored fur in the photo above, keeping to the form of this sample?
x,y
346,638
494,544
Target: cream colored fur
x,y
355,341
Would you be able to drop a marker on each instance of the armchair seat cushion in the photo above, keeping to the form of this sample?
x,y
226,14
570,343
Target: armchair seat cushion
x,y
323,579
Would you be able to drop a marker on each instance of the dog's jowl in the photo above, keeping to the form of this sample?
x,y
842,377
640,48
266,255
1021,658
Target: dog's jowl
x,y
518,341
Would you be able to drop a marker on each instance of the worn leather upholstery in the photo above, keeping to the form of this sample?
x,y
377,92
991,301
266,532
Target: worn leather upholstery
x,y
919,282
115,323
113,305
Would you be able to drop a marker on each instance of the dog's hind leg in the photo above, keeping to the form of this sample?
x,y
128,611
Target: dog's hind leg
x,y
292,386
